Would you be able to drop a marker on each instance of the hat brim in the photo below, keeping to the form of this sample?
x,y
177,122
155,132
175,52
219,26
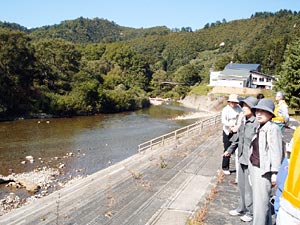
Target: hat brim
x,y
232,100
250,104
264,108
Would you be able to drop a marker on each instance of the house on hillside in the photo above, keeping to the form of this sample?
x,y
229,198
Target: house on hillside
x,y
241,75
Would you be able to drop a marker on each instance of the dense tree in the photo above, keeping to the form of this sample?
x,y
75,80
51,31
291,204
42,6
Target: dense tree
x,y
222,62
74,68
83,30
187,75
135,70
289,78
59,61
16,72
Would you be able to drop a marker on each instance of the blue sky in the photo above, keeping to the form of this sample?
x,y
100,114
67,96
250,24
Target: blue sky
x,y
138,13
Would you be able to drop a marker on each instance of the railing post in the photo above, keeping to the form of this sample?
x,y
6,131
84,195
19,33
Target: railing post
x,y
201,126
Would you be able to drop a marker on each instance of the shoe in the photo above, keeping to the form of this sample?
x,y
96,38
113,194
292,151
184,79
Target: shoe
x,y
235,213
226,172
246,218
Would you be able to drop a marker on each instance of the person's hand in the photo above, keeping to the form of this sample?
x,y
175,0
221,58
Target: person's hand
x,y
234,129
273,179
226,154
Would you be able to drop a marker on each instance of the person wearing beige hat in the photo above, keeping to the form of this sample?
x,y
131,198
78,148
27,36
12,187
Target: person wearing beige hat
x,y
230,114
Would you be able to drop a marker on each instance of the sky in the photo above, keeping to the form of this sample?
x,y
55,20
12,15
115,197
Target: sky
x,y
138,13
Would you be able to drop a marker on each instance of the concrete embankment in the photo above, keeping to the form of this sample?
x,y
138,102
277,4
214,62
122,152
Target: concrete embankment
x,y
163,185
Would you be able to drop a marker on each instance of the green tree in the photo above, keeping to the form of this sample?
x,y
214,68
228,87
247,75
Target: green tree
x,y
222,62
135,70
58,62
289,77
16,72
187,75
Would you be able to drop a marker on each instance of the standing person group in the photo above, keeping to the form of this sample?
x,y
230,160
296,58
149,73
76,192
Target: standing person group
x,y
246,131
260,154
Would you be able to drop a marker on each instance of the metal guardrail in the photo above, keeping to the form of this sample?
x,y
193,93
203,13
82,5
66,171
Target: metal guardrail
x,y
182,132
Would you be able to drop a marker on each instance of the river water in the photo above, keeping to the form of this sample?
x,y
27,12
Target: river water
x,y
94,141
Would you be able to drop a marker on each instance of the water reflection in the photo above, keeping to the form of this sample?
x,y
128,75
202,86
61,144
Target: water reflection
x,y
95,141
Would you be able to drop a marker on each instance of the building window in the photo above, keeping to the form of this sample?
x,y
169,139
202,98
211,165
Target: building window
x,y
269,79
255,79
261,79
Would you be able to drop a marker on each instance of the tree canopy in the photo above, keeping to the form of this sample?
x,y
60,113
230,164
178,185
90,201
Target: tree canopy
x,y
88,66
289,77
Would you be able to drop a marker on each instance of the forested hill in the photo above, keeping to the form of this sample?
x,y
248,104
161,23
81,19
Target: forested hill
x,y
84,30
94,66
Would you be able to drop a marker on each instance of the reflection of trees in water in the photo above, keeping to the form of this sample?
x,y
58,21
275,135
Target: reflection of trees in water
x,y
102,138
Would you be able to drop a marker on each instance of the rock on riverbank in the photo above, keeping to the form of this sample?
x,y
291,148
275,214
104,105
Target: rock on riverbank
x,y
205,106
38,182
208,103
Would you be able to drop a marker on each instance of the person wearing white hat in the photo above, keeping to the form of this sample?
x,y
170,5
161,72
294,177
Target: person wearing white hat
x,y
230,114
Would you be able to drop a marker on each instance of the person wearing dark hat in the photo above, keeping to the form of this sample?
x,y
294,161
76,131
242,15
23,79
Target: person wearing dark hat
x,y
230,114
265,160
245,132
260,96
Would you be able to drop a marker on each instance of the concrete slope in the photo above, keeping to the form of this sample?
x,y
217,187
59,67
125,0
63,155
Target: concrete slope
x,y
158,186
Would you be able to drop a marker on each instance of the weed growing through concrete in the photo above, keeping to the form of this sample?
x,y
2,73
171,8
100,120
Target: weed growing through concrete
x,y
163,163
136,175
109,214
111,200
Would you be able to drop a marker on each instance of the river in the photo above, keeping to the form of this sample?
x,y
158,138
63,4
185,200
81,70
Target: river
x,y
95,142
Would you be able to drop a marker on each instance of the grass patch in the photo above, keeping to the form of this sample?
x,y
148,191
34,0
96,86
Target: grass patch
x,y
201,90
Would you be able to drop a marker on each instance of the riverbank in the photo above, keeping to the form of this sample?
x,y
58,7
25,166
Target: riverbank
x,y
57,171
76,147
162,185
30,186
206,106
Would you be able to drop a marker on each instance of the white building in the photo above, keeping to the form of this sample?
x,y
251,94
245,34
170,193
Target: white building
x,y
241,75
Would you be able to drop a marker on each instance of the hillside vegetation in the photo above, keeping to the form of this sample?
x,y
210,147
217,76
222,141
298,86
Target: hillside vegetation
x,y
88,66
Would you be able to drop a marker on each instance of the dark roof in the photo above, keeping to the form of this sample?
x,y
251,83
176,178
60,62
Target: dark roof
x,y
236,72
237,66
260,73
